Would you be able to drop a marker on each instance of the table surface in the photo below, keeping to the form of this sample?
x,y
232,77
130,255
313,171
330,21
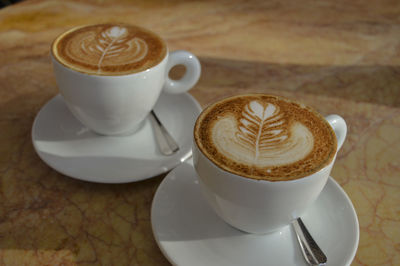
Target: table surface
x,y
340,57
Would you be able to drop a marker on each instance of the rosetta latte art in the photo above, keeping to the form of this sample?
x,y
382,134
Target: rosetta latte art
x,y
114,42
262,137
265,137
109,49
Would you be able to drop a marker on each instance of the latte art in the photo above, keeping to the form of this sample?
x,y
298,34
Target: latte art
x,y
265,137
261,137
109,49
114,42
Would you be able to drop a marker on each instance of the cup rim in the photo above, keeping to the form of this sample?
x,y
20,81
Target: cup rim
x,y
97,75
227,170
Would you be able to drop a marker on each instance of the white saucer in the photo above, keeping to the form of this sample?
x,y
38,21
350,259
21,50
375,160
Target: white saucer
x,y
188,232
66,145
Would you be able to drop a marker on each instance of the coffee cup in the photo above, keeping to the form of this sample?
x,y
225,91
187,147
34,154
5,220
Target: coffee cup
x,y
261,160
111,75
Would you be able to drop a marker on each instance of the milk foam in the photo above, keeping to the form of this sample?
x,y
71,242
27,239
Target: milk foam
x,y
107,49
262,137
265,137
113,42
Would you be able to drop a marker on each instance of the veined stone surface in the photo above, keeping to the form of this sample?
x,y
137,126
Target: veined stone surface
x,y
340,57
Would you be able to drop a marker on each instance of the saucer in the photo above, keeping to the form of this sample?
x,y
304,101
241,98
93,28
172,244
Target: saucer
x,y
188,231
72,149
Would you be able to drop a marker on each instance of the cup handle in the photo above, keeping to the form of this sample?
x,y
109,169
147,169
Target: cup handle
x,y
339,126
192,75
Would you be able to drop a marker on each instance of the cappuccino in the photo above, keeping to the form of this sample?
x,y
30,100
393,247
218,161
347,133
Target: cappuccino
x,y
109,49
265,137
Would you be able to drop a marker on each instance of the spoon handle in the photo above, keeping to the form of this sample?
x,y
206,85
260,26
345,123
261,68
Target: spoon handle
x,y
310,249
166,143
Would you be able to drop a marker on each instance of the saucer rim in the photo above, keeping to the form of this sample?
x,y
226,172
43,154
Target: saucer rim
x,y
156,172
334,182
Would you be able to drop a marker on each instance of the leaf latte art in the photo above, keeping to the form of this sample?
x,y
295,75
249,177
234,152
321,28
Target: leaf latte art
x,y
109,49
261,137
114,42
265,137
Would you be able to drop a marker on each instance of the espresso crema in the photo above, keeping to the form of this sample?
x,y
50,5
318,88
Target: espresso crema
x,y
265,137
109,49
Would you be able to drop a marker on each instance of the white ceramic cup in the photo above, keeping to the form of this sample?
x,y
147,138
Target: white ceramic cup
x,y
260,206
116,105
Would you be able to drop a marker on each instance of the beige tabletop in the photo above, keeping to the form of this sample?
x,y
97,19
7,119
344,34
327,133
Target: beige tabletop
x,y
340,57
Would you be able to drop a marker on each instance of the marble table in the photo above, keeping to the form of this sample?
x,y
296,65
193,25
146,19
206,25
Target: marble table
x,y
340,57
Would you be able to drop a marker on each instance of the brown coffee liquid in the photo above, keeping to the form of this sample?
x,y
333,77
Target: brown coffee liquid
x,y
109,49
265,137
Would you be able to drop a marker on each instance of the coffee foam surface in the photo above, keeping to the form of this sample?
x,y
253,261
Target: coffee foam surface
x,y
265,137
109,49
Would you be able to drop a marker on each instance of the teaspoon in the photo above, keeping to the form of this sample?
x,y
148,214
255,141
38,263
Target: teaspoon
x,y
166,143
310,249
